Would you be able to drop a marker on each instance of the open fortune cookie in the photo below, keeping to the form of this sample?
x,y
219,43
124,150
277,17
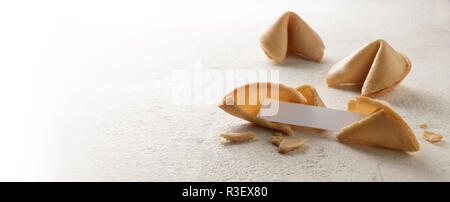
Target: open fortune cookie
x,y
376,66
382,128
290,34
245,101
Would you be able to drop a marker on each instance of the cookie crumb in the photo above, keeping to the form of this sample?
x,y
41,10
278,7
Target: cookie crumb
x,y
423,125
276,139
238,137
431,137
288,145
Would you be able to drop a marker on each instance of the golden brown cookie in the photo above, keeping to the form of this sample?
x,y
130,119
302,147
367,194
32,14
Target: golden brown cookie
x,y
245,101
290,34
376,66
382,128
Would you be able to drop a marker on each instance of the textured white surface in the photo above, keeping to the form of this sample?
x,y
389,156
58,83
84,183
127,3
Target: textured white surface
x,y
86,90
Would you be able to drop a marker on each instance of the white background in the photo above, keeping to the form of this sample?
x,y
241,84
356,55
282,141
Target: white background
x,y
85,90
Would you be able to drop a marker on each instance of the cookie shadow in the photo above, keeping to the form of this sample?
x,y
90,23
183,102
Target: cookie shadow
x,y
415,99
294,61
414,162
354,89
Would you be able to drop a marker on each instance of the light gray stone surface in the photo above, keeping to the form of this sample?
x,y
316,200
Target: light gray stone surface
x,y
88,90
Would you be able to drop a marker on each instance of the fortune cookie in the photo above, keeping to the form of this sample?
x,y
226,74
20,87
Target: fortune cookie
x,y
383,127
376,66
245,101
290,34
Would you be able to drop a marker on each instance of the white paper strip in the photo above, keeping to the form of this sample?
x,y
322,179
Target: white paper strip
x,y
310,116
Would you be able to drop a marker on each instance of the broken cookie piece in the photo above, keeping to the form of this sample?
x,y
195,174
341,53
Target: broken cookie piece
x,y
290,34
238,137
276,139
288,145
383,127
431,137
246,101
423,125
